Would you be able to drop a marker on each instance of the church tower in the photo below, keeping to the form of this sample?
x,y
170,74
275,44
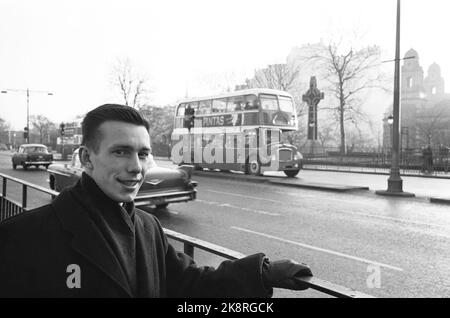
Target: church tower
x,y
434,83
412,98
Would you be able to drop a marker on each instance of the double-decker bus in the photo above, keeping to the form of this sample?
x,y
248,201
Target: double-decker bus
x,y
238,131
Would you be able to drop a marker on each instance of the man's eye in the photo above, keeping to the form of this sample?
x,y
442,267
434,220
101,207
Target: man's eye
x,y
144,155
119,152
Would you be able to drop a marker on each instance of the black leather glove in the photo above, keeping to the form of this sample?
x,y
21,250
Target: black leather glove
x,y
283,274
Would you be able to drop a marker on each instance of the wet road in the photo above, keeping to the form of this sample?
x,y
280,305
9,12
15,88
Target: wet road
x,y
387,247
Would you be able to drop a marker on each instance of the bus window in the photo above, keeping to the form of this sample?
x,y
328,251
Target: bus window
x,y
204,107
286,104
219,105
268,102
180,110
235,104
193,105
251,102
269,106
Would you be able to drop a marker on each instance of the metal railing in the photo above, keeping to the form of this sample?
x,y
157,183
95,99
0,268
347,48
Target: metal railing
x,y
10,208
412,162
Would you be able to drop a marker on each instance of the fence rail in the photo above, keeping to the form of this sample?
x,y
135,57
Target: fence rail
x,y
10,208
411,161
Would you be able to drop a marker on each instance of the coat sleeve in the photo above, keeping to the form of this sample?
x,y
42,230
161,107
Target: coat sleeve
x,y
231,279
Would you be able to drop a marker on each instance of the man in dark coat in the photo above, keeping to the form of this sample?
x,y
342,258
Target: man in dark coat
x,y
92,242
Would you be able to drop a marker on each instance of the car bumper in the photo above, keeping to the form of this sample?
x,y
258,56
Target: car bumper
x,y
38,162
290,165
165,197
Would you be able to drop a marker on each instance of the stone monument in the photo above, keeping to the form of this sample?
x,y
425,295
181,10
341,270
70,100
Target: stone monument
x,y
313,97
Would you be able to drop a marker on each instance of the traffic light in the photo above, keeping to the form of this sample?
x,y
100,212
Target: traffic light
x,y
189,118
62,126
25,133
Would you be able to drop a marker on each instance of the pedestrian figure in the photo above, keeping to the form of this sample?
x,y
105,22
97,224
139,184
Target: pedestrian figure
x,y
427,154
430,160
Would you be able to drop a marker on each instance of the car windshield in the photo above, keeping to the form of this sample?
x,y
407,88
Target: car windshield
x,y
35,149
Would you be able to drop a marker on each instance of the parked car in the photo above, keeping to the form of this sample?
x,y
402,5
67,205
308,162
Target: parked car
x,y
161,186
32,155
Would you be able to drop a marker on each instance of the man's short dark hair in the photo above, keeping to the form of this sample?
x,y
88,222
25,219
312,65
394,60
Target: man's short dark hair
x,y
108,112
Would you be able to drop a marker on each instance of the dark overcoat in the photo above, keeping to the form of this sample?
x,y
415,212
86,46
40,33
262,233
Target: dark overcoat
x,y
42,252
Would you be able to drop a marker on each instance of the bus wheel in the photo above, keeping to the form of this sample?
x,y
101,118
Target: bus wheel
x,y
198,167
254,167
291,173
162,206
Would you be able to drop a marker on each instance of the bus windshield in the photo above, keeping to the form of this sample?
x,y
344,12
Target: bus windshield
x,y
277,110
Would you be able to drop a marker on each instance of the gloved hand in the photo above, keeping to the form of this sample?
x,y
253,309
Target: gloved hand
x,y
282,274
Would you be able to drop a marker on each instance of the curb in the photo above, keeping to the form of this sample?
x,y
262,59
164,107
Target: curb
x,y
282,181
440,200
320,186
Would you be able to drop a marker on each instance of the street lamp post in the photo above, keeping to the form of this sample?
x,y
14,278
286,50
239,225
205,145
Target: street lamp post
x,y
28,91
395,182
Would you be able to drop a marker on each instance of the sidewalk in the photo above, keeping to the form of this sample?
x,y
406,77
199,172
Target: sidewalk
x,y
436,189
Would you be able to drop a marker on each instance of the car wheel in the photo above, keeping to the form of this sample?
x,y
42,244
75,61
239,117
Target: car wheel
x,y
254,167
162,206
291,173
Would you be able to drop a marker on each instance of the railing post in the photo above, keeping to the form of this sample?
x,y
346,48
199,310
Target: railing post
x,y
4,187
24,196
189,249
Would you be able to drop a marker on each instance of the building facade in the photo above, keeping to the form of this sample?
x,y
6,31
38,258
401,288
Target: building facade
x,y
424,107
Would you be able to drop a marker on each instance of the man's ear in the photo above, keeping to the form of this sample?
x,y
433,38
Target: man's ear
x,y
84,155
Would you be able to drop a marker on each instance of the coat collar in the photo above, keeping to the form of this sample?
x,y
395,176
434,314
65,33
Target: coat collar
x,y
87,239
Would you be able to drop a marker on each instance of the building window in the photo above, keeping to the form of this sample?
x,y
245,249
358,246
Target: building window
x,y
409,83
433,90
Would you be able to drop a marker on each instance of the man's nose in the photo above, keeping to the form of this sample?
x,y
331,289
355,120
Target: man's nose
x,y
134,164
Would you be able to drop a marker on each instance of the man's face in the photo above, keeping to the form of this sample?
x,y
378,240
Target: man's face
x,y
122,160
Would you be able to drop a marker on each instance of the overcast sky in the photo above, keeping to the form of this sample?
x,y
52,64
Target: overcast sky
x,y
68,47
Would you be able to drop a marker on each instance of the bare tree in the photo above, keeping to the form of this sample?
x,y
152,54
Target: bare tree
x,y
326,135
43,126
433,125
348,72
4,129
132,85
161,120
275,76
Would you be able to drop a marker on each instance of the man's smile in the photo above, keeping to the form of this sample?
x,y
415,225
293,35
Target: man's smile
x,y
129,183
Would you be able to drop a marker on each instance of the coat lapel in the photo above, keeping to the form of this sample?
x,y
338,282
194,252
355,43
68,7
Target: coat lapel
x,y
87,239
